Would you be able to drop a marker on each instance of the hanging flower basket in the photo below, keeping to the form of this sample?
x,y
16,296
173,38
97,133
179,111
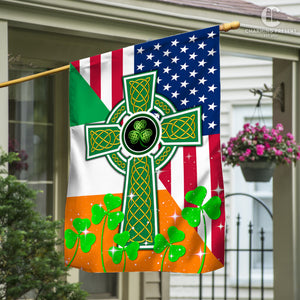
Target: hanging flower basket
x,y
258,150
258,171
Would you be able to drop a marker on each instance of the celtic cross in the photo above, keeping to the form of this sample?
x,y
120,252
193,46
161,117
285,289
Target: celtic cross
x,y
141,146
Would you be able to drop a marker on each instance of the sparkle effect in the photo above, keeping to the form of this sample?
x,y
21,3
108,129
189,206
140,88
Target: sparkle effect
x,y
200,253
175,216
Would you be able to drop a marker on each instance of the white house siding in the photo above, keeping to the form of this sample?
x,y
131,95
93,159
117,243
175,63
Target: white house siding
x,y
290,7
238,75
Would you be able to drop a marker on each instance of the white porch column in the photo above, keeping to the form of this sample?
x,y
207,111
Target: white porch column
x,y
286,190
3,91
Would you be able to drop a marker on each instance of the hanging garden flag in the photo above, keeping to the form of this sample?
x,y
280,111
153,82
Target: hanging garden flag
x,y
145,188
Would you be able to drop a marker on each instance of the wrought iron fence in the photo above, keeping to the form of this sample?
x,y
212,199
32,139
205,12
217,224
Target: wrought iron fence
x,y
235,287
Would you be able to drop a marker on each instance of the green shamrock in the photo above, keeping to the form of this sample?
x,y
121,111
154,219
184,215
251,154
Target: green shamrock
x,y
175,251
196,197
193,214
140,133
113,218
131,249
82,236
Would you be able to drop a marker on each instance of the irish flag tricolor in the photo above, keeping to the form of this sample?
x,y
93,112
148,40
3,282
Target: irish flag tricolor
x,y
145,188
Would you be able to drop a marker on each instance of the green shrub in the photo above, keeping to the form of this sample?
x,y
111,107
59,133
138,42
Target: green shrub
x,y
29,260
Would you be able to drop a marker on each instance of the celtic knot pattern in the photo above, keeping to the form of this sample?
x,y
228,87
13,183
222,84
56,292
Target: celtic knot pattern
x,y
163,156
104,139
163,106
117,114
118,161
139,94
182,128
139,215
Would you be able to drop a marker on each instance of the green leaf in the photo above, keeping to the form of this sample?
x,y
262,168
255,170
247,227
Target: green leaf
x,y
140,125
81,224
192,215
212,207
160,243
175,235
114,219
98,214
133,136
122,238
112,202
175,252
132,250
71,238
86,241
146,135
116,254
196,196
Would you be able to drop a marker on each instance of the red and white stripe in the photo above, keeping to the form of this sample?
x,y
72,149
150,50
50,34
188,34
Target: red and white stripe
x,y
199,166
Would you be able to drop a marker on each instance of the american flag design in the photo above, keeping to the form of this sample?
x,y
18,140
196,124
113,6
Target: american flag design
x,y
187,72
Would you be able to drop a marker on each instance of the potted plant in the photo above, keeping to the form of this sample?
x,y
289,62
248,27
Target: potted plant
x,y
258,149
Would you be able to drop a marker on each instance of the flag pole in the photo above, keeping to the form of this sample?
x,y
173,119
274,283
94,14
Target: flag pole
x,y
223,27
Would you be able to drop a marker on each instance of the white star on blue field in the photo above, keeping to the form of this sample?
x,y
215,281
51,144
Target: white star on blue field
x,y
188,72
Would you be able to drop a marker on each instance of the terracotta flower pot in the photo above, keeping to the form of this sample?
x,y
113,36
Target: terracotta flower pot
x,y
258,170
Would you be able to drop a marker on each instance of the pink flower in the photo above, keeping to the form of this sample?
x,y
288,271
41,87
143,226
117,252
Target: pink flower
x,y
267,145
229,150
290,136
279,127
289,150
246,126
267,136
278,152
287,160
242,158
264,129
260,149
223,158
274,132
247,153
279,138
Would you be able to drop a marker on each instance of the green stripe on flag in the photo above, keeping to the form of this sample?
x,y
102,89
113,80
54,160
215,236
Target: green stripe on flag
x,y
85,105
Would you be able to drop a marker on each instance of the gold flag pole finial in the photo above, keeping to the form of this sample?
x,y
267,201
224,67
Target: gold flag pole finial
x,y
223,27
228,26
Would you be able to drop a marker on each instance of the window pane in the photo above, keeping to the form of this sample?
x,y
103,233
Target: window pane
x,y
35,141
30,101
31,133
99,285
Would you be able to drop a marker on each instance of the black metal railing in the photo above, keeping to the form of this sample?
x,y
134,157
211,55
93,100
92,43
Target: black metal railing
x,y
236,286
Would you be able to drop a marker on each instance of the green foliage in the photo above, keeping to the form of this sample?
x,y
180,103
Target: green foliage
x,y
29,260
